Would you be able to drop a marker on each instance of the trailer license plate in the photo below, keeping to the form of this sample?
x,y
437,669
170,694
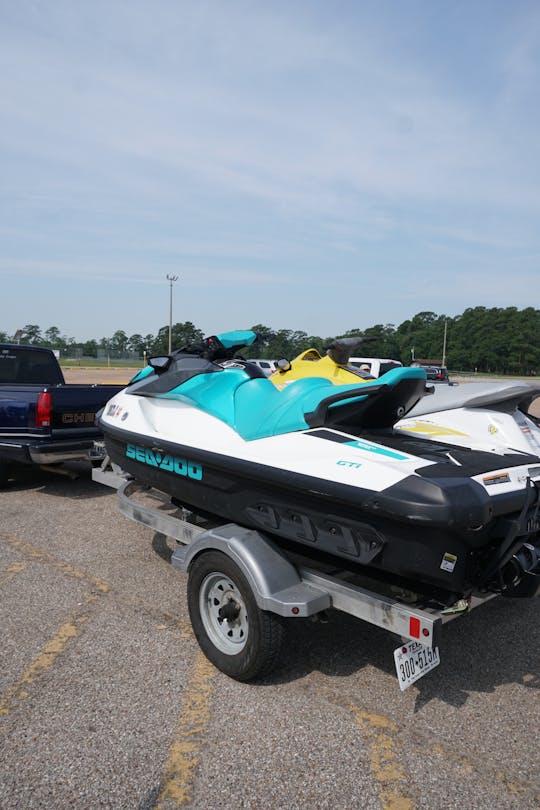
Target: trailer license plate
x,y
413,660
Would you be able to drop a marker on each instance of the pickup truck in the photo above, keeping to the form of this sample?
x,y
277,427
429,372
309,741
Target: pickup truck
x,y
377,366
44,421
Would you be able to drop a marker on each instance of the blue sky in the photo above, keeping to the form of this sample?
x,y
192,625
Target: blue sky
x,y
309,165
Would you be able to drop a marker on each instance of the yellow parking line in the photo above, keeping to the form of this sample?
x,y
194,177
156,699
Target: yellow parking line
x,y
34,553
184,754
379,732
42,662
12,571
50,652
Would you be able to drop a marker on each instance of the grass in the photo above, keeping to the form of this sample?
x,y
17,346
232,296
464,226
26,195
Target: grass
x,y
86,363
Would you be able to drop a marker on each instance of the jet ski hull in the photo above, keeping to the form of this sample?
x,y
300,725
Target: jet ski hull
x,y
433,534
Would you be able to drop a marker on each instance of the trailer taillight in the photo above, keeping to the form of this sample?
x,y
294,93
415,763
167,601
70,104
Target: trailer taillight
x,y
44,409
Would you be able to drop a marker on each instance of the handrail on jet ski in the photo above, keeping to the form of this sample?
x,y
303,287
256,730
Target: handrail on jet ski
x,y
319,416
371,404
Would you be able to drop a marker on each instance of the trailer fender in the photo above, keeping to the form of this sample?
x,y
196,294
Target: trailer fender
x,y
275,582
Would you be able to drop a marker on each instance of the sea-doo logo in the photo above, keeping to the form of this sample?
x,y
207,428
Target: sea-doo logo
x,y
174,464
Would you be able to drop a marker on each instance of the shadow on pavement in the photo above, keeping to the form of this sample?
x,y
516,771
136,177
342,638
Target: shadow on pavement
x,y
77,483
496,644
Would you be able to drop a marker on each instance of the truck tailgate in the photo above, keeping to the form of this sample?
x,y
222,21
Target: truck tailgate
x,y
74,408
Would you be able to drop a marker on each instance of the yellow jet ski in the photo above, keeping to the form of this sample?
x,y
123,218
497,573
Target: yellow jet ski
x,y
334,366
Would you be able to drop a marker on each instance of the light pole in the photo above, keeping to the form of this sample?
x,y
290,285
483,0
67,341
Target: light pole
x,y
444,345
171,280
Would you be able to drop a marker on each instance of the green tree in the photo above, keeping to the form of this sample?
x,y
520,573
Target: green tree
x,y
283,344
31,334
89,348
136,343
182,334
52,337
421,337
261,347
376,341
118,342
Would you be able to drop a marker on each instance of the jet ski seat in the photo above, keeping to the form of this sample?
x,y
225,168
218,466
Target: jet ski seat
x,y
256,409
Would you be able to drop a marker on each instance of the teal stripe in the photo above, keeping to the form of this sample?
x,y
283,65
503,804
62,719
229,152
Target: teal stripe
x,y
374,448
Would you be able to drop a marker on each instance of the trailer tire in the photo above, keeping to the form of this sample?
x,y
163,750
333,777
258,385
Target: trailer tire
x,y
238,637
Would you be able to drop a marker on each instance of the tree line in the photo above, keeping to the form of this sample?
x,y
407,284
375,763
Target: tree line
x,y
501,340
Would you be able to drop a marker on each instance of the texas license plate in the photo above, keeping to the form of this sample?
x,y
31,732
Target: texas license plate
x,y
413,660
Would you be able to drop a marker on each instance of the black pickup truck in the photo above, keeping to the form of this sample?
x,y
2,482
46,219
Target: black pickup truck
x,y
44,421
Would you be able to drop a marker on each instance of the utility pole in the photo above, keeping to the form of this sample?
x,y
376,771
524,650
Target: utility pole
x,y
444,346
171,280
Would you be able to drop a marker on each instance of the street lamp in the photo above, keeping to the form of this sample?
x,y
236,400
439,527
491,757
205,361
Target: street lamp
x,y
171,280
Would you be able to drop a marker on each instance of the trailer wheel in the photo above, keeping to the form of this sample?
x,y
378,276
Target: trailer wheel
x,y
238,637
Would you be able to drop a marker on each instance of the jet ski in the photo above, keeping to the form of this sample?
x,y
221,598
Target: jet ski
x,y
318,466
487,416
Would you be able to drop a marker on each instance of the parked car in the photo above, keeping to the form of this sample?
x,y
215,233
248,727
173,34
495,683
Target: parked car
x,y
267,366
434,373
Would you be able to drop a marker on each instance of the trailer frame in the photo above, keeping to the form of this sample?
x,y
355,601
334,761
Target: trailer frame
x,y
280,583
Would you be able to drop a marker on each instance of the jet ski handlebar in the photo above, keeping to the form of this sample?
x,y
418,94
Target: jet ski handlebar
x,y
340,350
223,346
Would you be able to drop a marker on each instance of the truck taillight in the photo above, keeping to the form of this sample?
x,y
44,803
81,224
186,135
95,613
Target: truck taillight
x,y
44,409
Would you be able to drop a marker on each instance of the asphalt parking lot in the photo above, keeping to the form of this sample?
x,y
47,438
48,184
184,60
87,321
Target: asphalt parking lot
x,y
106,700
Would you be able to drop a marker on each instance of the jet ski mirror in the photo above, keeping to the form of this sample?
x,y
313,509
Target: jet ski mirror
x,y
283,365
160,363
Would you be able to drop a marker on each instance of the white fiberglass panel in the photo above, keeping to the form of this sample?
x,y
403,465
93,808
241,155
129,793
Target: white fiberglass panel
x,y
492,431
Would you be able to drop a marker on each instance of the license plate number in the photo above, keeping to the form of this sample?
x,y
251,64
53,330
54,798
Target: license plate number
x,y
413,660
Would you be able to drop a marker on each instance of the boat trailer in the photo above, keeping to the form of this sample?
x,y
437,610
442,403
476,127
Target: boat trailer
x,y
242,586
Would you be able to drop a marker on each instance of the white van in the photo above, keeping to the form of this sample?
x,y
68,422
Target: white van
x,y
266,366
376,366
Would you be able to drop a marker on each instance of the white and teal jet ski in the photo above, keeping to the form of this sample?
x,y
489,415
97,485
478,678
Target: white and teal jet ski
x,y
488,416
320,467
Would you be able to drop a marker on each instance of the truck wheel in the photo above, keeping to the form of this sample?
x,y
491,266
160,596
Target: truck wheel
x,y
238,637
4,474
